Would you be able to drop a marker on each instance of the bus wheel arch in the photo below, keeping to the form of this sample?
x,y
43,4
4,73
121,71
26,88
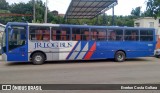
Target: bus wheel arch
x,y
38,57
120,56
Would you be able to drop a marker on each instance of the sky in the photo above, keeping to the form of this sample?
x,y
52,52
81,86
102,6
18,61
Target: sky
x,y
124,7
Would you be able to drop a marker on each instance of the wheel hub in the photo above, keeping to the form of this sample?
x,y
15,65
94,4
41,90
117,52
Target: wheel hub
x,y
120,57
38,58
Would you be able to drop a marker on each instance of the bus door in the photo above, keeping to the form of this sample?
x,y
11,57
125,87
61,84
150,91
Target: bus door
x,y
17,48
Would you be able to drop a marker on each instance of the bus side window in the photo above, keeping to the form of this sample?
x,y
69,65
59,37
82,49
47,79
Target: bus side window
x,y
87,35
54,35
60,33
65,33
76,36
112,36
39,33
102,34
46,35
32,34
115,34
131,35
94,34
146,35
84,34
98,34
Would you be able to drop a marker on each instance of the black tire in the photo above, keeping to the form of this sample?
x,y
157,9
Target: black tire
x,y
38,58
120,56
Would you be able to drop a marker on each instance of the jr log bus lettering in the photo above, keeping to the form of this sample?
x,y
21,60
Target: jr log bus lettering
x,y
53,45
37,43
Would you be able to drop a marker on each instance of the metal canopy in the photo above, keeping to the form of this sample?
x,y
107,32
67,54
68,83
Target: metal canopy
x,y
79,9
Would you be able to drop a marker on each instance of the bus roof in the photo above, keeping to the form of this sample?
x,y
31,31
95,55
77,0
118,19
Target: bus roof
x,y
70,25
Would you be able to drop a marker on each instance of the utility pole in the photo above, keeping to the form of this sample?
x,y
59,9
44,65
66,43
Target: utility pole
x,y
45,15
34,11
113,16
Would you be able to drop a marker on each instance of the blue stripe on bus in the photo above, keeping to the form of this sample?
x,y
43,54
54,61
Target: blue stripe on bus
x,y
73,50
83,43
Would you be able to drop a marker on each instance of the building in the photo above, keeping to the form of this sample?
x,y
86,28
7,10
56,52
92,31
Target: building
x,y
2,27
55,13
61,15
149,22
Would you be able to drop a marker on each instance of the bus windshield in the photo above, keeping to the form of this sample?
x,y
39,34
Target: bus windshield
x,y
16,37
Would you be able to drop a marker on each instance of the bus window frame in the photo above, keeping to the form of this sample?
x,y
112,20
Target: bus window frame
x,y
115,29
97,39
146,35
88,29
29,38
60,27
132,30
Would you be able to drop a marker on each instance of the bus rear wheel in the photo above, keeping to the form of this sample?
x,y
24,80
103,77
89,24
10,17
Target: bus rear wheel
x,y
38,58
120,56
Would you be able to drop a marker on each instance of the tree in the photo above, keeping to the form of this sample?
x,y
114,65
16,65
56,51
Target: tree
x,y
153,8
4,5
147,13
119,21
27,8
21,8
136,12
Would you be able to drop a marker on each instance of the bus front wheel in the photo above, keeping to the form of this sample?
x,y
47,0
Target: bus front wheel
x,y
120,56
38,58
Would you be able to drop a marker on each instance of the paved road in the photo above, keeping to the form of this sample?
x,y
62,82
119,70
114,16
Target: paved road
x,y
140,70
0,57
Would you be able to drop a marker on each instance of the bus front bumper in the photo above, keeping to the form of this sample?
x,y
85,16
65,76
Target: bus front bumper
x,y
4,57
157,53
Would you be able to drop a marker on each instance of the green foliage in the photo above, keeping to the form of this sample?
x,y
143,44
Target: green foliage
x,y
153,8
40,9
3,19
4,5
21,8
119,21
136,12
4,11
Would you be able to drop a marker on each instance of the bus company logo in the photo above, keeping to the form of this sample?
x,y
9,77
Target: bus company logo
x,y
53,45
6,87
